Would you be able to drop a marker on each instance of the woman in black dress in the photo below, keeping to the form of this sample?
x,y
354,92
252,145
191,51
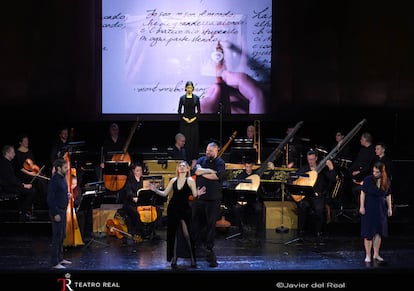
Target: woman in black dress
x,y
189,112
182,187
375,208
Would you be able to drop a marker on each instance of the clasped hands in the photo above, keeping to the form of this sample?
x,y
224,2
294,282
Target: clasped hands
x,y
189,120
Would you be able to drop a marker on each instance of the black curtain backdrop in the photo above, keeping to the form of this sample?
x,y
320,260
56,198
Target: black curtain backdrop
x,y
334,63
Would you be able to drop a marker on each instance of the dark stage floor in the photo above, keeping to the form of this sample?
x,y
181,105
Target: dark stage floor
x,y
277,261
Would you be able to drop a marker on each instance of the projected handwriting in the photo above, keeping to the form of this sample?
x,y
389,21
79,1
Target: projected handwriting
x,y
113,21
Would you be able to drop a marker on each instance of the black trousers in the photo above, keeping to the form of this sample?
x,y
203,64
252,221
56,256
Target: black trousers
x,y
311,210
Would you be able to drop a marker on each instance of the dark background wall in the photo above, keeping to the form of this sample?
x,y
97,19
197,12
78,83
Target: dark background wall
x,y
334,63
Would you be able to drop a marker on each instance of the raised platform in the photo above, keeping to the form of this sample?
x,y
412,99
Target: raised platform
x,y
280,213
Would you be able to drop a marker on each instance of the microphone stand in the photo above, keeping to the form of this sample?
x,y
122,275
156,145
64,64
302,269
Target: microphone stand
x,y
220,112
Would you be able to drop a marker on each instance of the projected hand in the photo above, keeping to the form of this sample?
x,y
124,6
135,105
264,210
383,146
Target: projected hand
x,y
244,95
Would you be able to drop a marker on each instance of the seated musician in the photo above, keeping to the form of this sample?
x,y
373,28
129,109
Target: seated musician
x,y
249,206
10,183
312,204
135,181
30,173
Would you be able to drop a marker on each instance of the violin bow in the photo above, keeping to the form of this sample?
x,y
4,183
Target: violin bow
x,y
37,175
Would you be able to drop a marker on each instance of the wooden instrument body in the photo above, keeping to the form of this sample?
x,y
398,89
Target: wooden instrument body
x,y
73,234
115,227
304,181
117,182
250,186
313,175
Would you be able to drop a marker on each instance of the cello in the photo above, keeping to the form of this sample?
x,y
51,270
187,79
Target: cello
x,y
114,182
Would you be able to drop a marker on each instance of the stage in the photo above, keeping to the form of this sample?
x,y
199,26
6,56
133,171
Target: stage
x,y
277,261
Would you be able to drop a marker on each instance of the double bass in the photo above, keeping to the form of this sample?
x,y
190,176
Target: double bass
x,y
114,182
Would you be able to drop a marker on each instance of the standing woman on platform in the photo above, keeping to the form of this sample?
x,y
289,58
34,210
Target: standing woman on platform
x,y
189,112
375,208
179,214
57,200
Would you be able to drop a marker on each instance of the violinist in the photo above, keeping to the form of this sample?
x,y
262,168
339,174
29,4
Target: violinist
x,y
9,182
29,172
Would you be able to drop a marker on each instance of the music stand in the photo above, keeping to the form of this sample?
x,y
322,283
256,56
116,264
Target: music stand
x,y
86,203
282,228
280,175
240,200
302,191
116,168
340,191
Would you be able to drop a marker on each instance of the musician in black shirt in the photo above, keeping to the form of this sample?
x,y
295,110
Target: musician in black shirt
x,y
381,156
178,150
313,204
362,165
248,202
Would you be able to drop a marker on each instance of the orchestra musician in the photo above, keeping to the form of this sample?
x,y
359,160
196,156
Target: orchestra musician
x,y
381,156
59,146
29,172
178,149
113,150
10,183
114,142
134,182
249,203
362,165
345,154
314,205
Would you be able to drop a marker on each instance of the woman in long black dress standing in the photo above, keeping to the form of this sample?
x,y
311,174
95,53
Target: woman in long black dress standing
x,y
189,112
179,214
375,208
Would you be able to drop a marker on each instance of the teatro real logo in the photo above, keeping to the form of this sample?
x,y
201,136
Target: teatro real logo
x,y
67,284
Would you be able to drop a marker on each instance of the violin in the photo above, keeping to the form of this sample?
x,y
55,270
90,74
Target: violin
x,y
29,165
30,168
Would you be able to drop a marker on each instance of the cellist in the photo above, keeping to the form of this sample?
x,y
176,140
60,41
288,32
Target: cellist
x,y
116,181
112,145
